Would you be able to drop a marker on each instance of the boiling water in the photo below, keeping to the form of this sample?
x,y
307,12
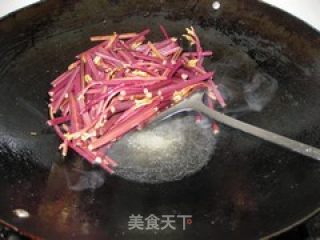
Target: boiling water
x,y
170,151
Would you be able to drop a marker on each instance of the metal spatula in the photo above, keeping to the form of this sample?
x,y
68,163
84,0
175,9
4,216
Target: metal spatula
x,y
195,103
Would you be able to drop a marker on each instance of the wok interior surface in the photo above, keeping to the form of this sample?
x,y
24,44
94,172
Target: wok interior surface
x,y
248,189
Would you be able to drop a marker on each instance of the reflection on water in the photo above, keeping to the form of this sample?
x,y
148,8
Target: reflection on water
x,y
61,208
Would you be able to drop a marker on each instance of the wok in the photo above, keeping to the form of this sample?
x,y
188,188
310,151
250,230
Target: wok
x,y
249,189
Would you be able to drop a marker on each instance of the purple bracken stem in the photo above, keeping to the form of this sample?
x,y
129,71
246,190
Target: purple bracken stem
x,y
121,106
147,58
157,85
164,32
58,120
132,91
56,104
164,43
216,92
179,86
170,51
127,56
110,59
195,54
62,78
139,35
93,68
175,69
140,79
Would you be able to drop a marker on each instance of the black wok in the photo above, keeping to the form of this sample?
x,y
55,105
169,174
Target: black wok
x,y
249,189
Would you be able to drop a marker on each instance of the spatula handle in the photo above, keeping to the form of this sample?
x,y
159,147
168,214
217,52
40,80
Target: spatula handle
x,y
288,143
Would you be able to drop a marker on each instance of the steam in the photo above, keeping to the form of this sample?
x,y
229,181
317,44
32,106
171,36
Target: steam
x,y
260,91
87,180
243,85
